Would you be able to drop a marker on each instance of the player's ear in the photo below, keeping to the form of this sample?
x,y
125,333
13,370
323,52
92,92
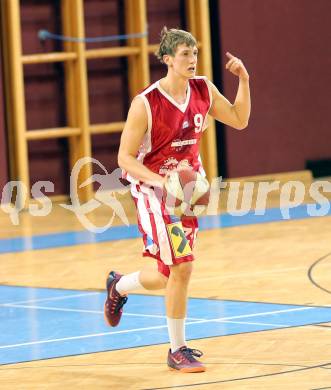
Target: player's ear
x,y
167,59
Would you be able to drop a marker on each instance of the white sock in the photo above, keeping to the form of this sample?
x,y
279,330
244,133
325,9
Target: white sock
x,y
128,283
176,330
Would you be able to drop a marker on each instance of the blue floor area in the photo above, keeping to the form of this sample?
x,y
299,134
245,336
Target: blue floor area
x,y
41,323
21,244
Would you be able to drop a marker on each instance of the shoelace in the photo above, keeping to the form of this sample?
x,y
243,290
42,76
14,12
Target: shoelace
x,y
190,353
119,302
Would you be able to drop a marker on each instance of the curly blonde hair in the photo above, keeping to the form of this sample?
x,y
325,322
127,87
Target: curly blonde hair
x,y
170,39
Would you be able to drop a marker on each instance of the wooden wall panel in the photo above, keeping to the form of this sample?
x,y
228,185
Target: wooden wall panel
x,y
40,15
171,14
44,94
285,45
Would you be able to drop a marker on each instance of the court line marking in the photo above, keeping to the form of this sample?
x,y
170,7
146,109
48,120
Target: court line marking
x,y
51,298
259,314
127,331
151,327
256,323
93,311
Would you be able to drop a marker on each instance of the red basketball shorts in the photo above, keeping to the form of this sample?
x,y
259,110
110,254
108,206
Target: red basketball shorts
x,y
168,239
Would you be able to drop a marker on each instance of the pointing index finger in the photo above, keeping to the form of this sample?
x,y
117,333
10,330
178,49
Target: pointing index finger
x,y
229,55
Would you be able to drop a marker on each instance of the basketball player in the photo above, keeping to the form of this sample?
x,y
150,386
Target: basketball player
x,y
162,132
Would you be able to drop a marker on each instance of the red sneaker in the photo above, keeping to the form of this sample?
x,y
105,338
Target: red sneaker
x,y
114,302
183,360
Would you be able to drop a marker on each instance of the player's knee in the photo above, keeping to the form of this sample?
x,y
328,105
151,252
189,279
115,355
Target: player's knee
x,y
182,272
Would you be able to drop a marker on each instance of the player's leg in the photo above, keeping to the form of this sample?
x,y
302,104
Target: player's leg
x,y
181,268
148,278
176,303
180,357
176,291
118,287
152,279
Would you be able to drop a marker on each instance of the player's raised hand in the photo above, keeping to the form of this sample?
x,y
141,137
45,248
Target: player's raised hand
x,y
236,66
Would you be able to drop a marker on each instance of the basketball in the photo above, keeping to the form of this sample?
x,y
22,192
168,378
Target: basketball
x,y
186,192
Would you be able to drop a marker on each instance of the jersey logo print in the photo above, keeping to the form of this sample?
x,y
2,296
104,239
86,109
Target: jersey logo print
x,y
185,125
176,144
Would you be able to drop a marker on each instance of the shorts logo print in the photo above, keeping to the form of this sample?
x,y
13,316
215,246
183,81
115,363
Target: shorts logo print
x,y
180,244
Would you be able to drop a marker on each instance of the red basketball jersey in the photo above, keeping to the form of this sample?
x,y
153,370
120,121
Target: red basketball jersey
x,y
174,130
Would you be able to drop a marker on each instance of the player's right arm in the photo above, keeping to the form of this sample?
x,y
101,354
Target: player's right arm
x,y
131,139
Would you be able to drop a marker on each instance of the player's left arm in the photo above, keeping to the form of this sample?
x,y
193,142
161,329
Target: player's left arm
x,y
237,114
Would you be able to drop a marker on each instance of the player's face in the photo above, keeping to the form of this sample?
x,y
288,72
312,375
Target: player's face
x,y
185,60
